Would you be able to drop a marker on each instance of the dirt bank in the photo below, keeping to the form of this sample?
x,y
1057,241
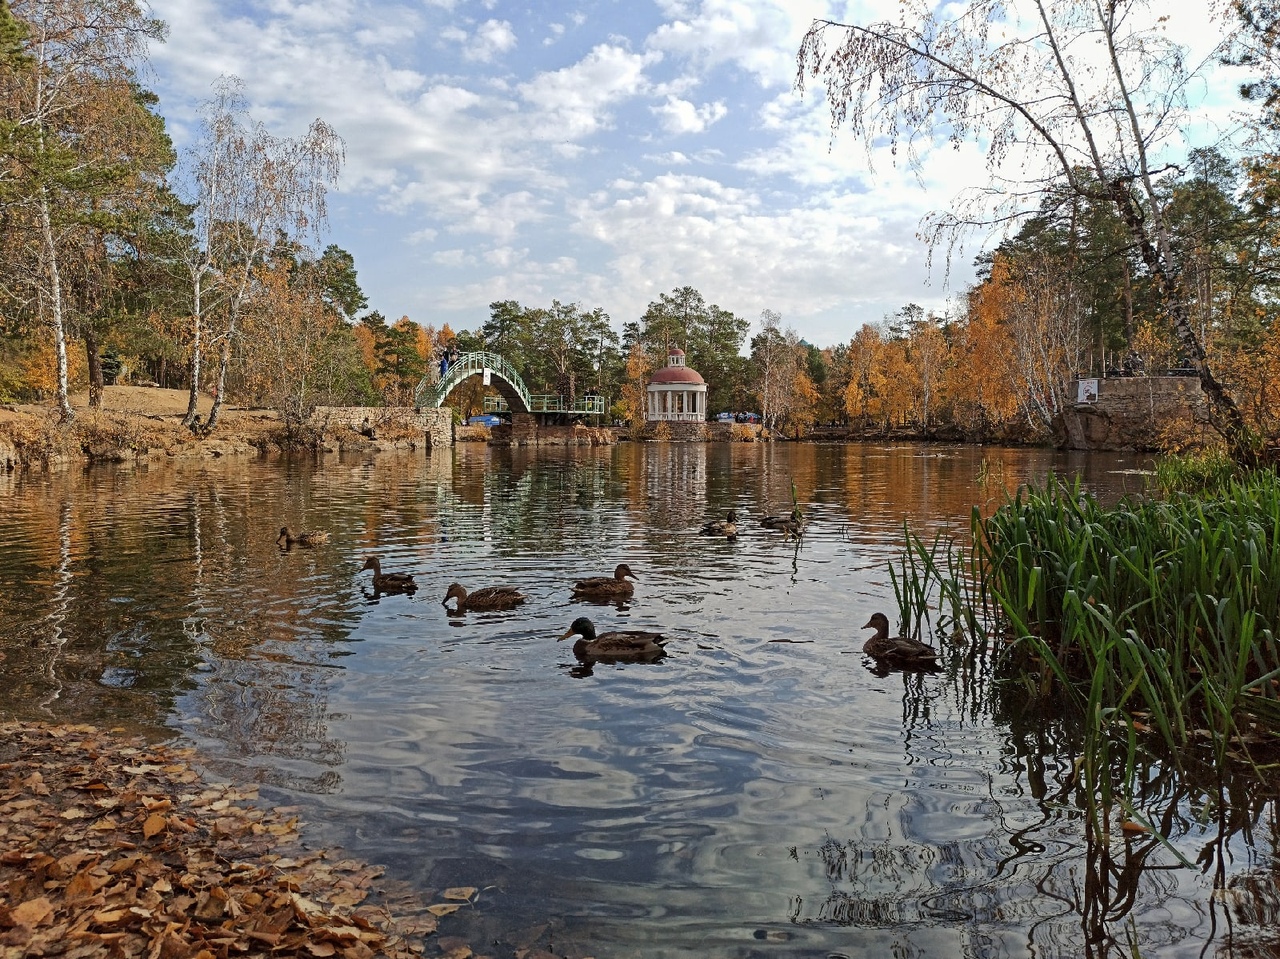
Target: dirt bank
x,y
139,423
134,423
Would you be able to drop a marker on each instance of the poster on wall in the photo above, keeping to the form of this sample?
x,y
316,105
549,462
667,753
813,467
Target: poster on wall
x,y
1087,391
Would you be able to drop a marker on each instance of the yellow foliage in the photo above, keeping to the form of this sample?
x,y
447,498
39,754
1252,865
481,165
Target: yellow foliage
x,y
635,388
864,396
1155,345
804,403
900,383
981,381
39,368
1254,376
368,349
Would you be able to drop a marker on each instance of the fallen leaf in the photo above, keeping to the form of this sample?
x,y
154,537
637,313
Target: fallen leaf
x,y
443,908
154,825
81,886
460,892
32,912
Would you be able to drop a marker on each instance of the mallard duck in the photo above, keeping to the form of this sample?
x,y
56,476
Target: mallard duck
x,y
792,525
896,649
388,582
313,537
490,597
631,645
606,587
722,527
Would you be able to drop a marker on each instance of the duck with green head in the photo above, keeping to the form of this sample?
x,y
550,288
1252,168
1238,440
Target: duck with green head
x,y
618,646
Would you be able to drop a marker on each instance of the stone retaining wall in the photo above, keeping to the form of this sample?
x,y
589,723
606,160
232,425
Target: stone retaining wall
x,y
435,424
524,430
715,432
1131,412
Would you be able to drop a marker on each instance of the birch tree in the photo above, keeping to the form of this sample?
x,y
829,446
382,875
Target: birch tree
x,y
1089,93
249,187
67,65
782,384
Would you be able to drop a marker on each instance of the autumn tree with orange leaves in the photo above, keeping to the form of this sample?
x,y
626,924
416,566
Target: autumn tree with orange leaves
x,y
298,351
1085,98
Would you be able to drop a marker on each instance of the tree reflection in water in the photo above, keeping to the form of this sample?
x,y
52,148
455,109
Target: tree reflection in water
x,y
648,809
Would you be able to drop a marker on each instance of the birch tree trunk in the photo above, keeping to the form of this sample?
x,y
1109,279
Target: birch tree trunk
x,y
193,367
55,300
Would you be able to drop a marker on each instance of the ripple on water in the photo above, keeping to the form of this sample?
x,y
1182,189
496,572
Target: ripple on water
x,y
758,792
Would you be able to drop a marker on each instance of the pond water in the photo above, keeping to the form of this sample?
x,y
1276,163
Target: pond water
x,y
760,792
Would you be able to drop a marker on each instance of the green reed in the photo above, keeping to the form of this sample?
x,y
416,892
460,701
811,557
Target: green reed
x,y
1199,472
1162,611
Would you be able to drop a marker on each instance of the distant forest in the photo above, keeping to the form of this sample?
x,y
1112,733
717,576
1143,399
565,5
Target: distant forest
x,y
122,262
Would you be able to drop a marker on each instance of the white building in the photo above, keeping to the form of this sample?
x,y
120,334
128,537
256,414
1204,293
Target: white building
x,y
676,393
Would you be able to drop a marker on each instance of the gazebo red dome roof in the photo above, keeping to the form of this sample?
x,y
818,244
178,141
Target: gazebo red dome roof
x,y
677,374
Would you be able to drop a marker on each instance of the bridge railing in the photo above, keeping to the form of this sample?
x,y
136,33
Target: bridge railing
x,y
468,364
549,403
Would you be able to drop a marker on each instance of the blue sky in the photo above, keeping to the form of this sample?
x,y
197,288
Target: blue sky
x,y
603,152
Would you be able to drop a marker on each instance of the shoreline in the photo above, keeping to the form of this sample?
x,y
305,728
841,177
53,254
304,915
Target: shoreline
x,y
112,845
144,425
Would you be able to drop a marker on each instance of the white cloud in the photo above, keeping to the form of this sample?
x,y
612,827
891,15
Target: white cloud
x,y
574,102
568,173
452,258
831,254
674,158
681,116
758,36
491,38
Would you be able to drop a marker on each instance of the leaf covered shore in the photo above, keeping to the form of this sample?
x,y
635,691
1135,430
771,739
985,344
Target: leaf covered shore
x,y
112,846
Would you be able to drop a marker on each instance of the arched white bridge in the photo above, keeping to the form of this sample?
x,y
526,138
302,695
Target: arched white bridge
x,y
502,376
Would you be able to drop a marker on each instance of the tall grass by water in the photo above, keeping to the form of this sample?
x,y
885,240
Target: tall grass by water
x,y
1154,620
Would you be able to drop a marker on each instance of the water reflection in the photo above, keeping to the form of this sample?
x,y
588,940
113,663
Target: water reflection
x,y
761,791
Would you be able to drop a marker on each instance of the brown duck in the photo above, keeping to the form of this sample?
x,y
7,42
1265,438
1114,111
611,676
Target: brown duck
x,y
289,538
792,525
898,650
722,527
388,582
622,646
490,597
606,587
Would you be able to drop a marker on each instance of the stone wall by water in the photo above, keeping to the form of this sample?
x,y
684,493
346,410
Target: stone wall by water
x,y
1129,412
715,432
435,424
524,430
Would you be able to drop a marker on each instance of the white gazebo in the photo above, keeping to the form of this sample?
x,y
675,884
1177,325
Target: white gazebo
x,y
676,392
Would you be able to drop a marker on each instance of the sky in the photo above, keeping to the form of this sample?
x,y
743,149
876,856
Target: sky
x,y
602,152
